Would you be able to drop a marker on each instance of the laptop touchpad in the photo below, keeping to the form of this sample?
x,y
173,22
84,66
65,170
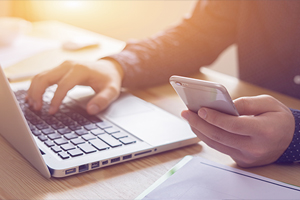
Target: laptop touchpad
x,y
125,105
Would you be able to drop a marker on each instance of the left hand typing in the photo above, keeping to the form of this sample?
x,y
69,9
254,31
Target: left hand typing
x,y
257,137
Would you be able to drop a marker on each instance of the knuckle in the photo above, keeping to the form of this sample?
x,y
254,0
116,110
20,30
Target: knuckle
x,y
67,63
241,103
78,66
72,66
38,77
114,91
268,98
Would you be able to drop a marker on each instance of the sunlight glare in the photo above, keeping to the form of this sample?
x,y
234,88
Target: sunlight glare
x,y
73,4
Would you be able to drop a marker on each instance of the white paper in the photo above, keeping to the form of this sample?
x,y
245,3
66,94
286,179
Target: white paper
x,y
25,47
203,179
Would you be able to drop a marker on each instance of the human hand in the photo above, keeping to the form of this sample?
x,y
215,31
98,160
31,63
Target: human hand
x,y
104,76
259,136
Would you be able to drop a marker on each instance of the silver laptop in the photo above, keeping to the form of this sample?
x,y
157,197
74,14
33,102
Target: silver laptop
x,y
72,142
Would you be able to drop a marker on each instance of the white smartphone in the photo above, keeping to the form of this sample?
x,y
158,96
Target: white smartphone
x,y
197,93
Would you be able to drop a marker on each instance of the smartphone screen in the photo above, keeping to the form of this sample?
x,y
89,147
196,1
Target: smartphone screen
x,y
197,93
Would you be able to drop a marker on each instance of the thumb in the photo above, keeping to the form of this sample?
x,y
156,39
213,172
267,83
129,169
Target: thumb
x,y
102,100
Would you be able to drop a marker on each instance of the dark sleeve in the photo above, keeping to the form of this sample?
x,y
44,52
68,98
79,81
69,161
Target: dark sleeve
x,y
292,153
182,49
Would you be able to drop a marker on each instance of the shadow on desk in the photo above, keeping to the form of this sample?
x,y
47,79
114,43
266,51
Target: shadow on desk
x,y
19,180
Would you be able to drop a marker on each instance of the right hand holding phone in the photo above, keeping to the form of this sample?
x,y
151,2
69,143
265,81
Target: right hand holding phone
x,y
258,136
104,76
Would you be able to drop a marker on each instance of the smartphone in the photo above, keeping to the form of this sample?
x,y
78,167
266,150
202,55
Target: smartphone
x,y
197,93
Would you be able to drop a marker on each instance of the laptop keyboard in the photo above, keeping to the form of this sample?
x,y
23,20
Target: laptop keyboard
x,y
71,132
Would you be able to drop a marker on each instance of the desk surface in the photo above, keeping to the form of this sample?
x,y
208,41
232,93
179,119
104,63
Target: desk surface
x,y
19,180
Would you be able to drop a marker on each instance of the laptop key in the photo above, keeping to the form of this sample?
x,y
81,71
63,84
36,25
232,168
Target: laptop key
x,y
61,141
112,130
128,140
31,126
119,135
71,136
81,132
48,131
89,137
104,125
75,152
77,141
110,140
97,131
75,127
84,122
49,143
42,138
42,126
56,149
64,155
67,147
87,148
36,132
64,131
99,144
36,121
68,121
54,136
90,127
58,126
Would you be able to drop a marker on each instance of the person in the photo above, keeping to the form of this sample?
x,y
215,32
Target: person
x,y
267,36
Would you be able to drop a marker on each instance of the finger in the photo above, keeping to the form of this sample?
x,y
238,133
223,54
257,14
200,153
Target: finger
x,y
215,133
43,80
236,154
257,105
249,108
102,100
232,152
67,82
241,125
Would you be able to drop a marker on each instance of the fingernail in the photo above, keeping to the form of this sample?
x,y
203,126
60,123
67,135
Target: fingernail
x,y
202,113
93,109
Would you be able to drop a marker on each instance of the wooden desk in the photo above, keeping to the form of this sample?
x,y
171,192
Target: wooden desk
x,y
19,180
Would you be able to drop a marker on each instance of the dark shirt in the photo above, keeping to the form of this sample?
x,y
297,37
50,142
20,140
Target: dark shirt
x,y
267,34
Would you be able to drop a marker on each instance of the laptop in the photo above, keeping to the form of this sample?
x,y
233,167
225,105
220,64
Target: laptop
x,y
72,142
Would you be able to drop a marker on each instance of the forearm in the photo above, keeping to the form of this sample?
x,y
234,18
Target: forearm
x,y
180,50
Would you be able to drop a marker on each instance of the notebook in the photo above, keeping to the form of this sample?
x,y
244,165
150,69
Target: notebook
x,y
199,178
72,142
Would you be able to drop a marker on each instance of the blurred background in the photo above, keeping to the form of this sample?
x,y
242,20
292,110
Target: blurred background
x,y
120,19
